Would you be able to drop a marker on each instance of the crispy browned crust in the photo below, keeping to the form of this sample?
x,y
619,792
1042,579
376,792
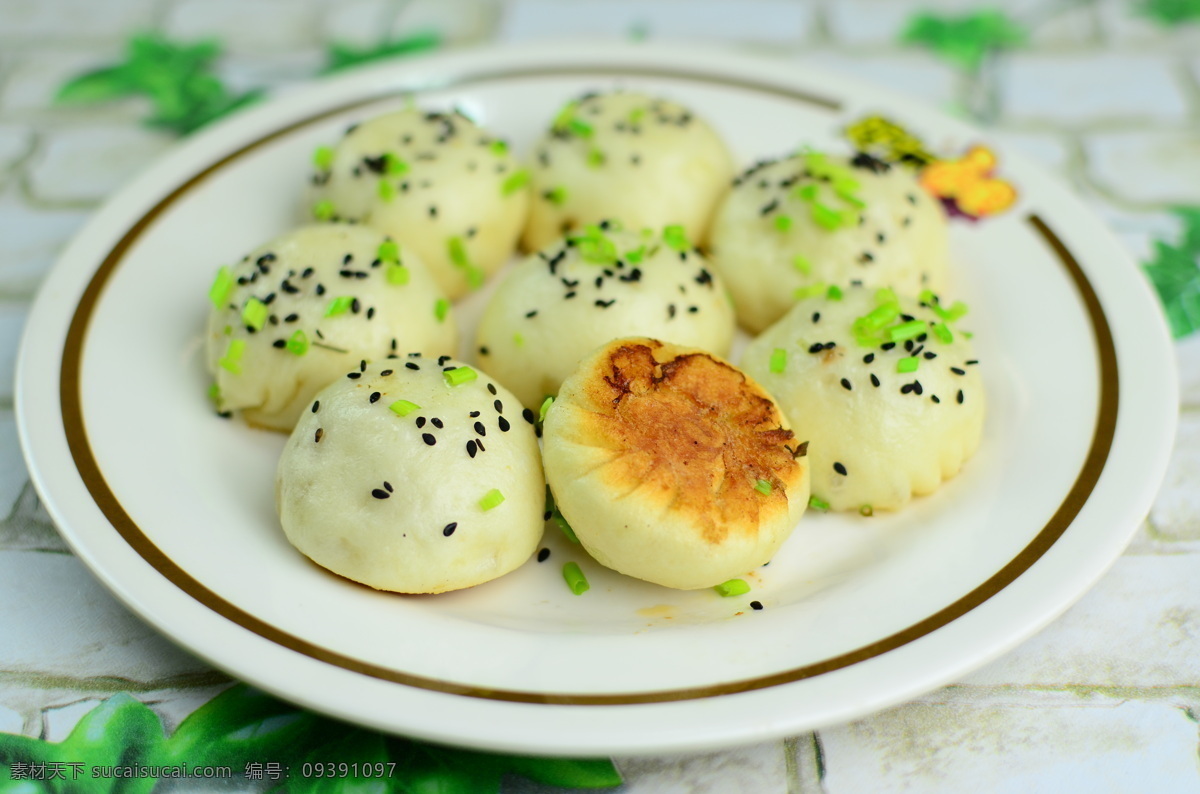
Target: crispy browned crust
x,y
691,432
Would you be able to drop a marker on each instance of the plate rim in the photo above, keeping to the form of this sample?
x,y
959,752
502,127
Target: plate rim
x,y
598,58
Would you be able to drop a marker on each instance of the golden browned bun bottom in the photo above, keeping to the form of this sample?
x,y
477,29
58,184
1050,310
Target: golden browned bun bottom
x,y
672,465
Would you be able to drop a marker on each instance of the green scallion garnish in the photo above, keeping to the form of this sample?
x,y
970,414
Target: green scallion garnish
x,y
826,217
884,296
441,307
388,251
339,305
734,587
675,237
943,333
403,407
908,364
763,487
562,524
394,165
580,128
323,157
498,148
636,255
222,285
778,360
898,333
595,158
807,192
323,210
834,293
231,361
866,510
396,274
816,503
459,375
254,314
518,340
575,579
636,115
491,499
783,222
546,403
514,182
458,252
557,195
297,343
386,190
809,291
802,264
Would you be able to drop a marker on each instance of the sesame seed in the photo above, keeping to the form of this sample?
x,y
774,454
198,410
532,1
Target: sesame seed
x,y
480,429
448,530
420,421
543,554
959,398
839,468
428,439
317,436
868,358
411,365
504,425
491,387
436,423
442,360
606,304
353,375
917,387
846,385
379,493
362,365
471,448
930,355
316,406
874,380
816,317
385,373
499,406
756,605
934,397
532,313
527,415
906,388
279,343
816,348
474,414
375,396
958,371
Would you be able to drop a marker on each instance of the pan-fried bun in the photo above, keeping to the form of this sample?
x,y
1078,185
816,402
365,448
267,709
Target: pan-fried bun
x,y
671,465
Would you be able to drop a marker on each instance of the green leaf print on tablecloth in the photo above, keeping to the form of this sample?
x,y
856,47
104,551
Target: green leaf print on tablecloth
x,y
965,40
1175,273
176,78
260,738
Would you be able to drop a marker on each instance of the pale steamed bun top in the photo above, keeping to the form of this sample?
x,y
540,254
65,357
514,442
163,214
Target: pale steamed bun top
x,y
886,389
299,311
437,182
811,220
626,156
556,307
416,475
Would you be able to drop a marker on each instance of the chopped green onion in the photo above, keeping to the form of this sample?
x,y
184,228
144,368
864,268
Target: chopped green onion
x,y
778,360
878,317
228,330
866,510
339,305
557,195
884,296
575,579
734,587
441,307
852,200
394,165
403,407
636,255
580,128
214,394
458,252
297,343
565,115
943,333
515,181
807,192
595,158
636,115
898,333
323,210
816,503
908,364
222,285
802,264
459,375
386,190
810,291
546,403
783,222
323,158
499,148
254,314
231,361
562,524
834,293
388,251
957,310
928,297
491,499
397,274
826,217
675,237
763,487
596,248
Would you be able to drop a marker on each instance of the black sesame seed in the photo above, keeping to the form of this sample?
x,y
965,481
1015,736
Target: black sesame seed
x,y
436,423
543,555
411,365
959,397
388,486
370,312
448,530
816,347
846,385
499,406
840,469
474,414
420,421
532,313
756,605
491,387
606,304
471,448
504,425
480,429
291,318
317,436
483,351
887,345
428,439
362,365
934,397
355,306
958,371
917,387
442,360
816,317
868,358
906,388
316,406
693,309
527,415
279,343
432,211
972,362
353,375
874,380
385,373
320,290
930,355
379,493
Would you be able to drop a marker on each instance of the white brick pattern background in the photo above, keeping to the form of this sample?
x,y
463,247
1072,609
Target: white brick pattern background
x,y
1106,699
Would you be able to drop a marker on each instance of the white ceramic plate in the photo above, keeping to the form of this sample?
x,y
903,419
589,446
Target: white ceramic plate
x,y
172,507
